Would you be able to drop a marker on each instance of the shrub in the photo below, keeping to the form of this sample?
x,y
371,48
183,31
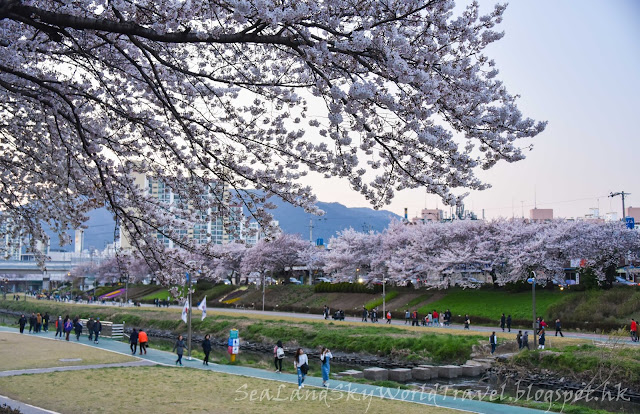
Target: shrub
x,y
377,302
346,287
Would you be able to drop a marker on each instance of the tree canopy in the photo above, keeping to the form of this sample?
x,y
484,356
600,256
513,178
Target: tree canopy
x,y
244,94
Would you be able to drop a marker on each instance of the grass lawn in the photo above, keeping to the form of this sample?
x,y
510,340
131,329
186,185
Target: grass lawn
x,y
162,294
28,351
179,390
486,303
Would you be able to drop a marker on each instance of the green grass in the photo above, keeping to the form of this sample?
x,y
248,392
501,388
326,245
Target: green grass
x,y
161,294
378,301
491,304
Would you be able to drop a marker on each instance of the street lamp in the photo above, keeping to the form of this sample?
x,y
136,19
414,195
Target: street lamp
x,y
532,281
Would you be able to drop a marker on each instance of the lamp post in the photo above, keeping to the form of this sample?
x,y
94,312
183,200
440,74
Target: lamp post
x,y
384,295
532,280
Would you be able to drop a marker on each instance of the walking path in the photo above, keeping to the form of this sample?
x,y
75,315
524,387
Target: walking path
x,y
166,358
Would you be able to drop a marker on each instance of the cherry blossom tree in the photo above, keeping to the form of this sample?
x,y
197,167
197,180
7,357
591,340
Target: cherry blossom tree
x,y
216,98
227,261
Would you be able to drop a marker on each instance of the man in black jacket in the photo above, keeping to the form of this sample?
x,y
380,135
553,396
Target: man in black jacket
x,y
32,321
90,328
22,322
97,328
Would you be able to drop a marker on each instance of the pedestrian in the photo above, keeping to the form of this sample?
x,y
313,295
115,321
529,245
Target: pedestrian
x,y
559,327
45,322
278,356
374,315
467,321
493,340
325,357
525,340
415,319
68,327
326,312
435,316
447,317
38,322
97,328
78,328
541,340
206,348
90,323
143,341
519,339
407,316
633,329
364,314
503,321
537,326
179,349
509,323
543,324
301,364
59,327
22,322
32,321
388,317
133,341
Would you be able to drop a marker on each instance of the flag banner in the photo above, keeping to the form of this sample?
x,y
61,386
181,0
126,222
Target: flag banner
x,y
203,307
185,310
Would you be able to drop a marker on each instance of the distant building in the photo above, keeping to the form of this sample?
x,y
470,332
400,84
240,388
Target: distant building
x,y
429,215
219,230
633,212
541,214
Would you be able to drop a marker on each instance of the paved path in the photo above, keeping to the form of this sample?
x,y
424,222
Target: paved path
x,y
395,322
427,398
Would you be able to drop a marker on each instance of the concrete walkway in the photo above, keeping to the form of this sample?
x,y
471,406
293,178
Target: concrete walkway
x,y
166,358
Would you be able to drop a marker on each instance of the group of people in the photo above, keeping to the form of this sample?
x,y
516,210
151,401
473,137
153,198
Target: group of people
x,y
433,318
301,363
138,338
37,322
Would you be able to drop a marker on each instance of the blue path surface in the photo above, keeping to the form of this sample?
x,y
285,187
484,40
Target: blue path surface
x,y
427,398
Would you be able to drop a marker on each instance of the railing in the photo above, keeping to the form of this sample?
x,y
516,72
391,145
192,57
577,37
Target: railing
x,y
109,329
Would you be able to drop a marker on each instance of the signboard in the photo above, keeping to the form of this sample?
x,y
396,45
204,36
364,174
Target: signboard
x,y
630,222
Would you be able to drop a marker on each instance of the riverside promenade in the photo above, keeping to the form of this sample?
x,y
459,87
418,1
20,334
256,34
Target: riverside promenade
x,y
157,357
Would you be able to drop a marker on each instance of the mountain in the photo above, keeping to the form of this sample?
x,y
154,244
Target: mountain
x,y
337,217
292,220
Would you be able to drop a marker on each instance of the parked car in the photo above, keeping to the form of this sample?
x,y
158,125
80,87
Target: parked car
x,y
623,282
322,280
294,281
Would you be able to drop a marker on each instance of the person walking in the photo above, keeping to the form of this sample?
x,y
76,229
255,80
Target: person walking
x,y
525,340
206,348
388,317
415,319
325,357
364,314
178,348
45,322
143,341
301,364
97,328
22,322
38,322
77,326
509,323
541,340
68,327
326,312
493,340
407,316
633,329
59,327
519,339
133,341
278,356
435,316
559,328
447,317
467,321
32,321
90,323
503,322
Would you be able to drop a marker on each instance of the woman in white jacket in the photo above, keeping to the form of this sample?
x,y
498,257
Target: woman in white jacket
x,y
301,363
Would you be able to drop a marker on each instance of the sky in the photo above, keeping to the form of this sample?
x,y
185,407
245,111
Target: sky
x,y
575,64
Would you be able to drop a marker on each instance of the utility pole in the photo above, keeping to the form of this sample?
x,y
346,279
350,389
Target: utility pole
x,y
310,231
621,193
